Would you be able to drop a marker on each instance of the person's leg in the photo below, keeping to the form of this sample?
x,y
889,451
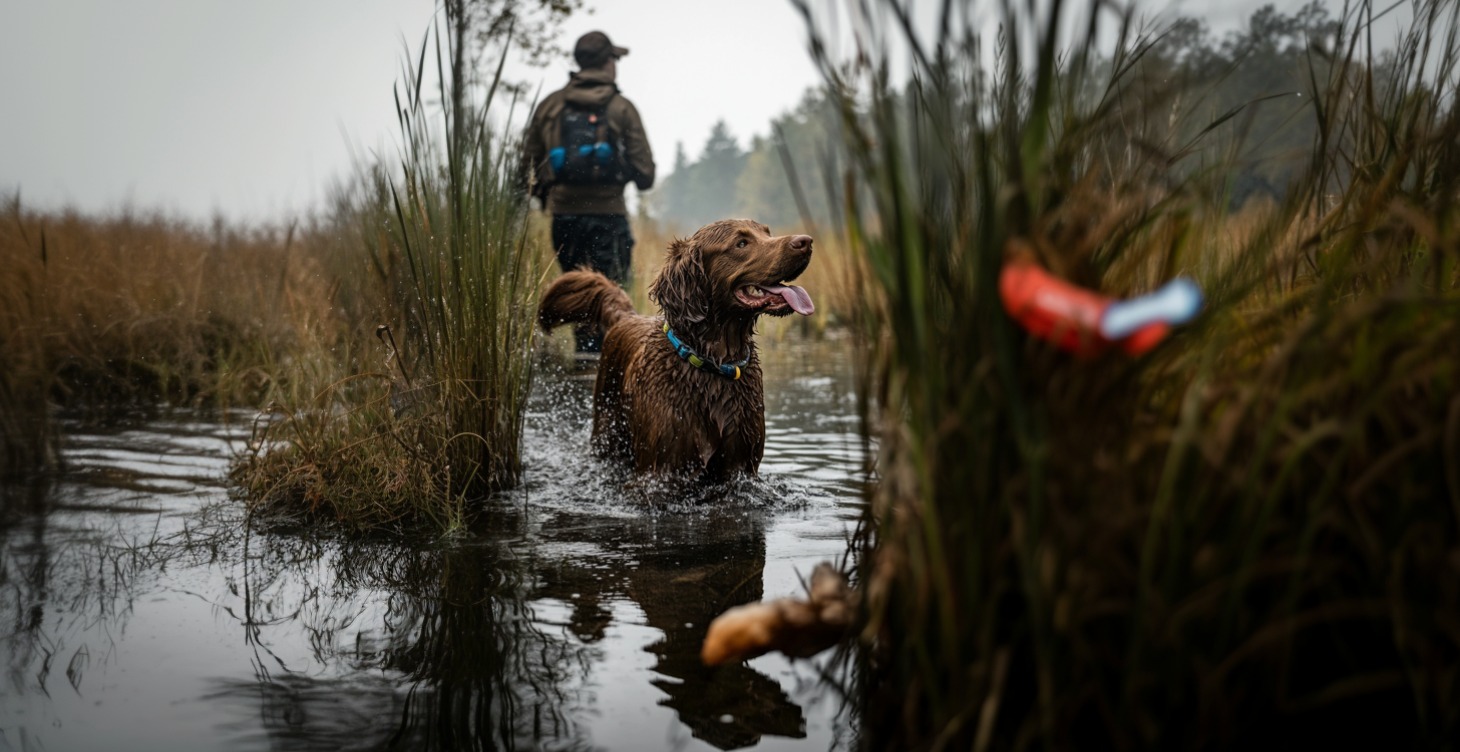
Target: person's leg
x,y
568,241
573,239
614,253
609,246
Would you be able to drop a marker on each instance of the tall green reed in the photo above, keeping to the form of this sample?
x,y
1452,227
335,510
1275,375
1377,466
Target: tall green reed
x,y
445,237
460,226
1226,537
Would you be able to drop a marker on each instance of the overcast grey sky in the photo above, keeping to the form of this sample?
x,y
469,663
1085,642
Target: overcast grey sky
x,y
249,107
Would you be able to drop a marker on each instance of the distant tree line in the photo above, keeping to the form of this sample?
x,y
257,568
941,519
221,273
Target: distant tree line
x,y
1241,103
762,181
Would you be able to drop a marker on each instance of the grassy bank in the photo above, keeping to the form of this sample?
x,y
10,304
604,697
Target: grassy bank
x,y
101,313
1246,537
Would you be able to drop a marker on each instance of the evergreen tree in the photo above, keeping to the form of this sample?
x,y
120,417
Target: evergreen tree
x,y
698,193
1255,85
727,181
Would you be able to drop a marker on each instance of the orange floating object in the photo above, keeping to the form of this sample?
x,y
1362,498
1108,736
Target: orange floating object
x,y
1085,322
1053,309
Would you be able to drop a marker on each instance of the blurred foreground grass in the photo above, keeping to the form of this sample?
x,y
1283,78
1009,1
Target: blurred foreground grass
x,y
1249,537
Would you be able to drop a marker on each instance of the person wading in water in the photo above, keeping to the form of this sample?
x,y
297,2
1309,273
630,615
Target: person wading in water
x,y
584,144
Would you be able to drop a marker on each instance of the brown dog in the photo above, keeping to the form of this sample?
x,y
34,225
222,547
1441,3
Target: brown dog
x,y
682,394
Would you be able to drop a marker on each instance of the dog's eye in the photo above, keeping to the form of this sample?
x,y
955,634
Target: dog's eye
x,y
743,242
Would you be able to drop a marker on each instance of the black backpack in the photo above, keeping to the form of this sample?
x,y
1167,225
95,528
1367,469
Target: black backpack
x,y
587,152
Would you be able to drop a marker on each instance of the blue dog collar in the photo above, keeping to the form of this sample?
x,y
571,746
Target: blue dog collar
x,y
728,370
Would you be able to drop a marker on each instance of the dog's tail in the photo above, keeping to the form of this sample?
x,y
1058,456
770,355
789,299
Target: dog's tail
x,y
583,297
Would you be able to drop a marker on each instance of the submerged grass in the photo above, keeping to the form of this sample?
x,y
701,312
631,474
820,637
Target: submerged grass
x,y
1249,536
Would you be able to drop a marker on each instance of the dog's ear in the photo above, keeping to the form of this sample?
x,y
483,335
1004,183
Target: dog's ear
x,y
681,288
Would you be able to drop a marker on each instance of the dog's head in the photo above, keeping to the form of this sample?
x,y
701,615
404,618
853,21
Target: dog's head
x,y
732,269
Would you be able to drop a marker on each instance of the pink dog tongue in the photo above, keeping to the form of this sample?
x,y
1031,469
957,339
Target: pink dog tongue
x,y
794,296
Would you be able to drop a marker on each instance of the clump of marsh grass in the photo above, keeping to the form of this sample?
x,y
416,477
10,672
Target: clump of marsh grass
x,y
446,236
462,233
1243,538
27,436
348,457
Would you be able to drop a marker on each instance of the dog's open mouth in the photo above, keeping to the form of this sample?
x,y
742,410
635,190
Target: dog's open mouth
x,y
776,299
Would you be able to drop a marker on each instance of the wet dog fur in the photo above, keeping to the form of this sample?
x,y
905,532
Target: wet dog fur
x,y
652,409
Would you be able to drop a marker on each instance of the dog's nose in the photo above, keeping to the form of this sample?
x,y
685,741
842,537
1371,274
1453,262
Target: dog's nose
x,y
801,243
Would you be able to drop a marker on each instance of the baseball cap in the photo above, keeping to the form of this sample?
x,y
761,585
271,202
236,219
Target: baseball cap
x,y
594,49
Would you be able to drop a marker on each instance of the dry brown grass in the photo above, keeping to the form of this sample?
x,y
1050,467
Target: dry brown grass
x,y
134,309
145,307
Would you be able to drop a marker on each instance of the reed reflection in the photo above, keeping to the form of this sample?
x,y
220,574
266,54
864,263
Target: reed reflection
x,y
75,558
416,647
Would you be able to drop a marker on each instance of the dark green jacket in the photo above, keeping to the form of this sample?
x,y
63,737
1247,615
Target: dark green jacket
x,y
592,88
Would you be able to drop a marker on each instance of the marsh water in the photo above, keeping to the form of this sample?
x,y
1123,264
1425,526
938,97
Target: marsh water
x,y
140,611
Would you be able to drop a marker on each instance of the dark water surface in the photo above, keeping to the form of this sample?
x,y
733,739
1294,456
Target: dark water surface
x,y
139,612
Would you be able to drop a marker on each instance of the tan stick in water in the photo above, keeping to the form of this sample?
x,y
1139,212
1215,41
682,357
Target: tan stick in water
x,y
798,628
